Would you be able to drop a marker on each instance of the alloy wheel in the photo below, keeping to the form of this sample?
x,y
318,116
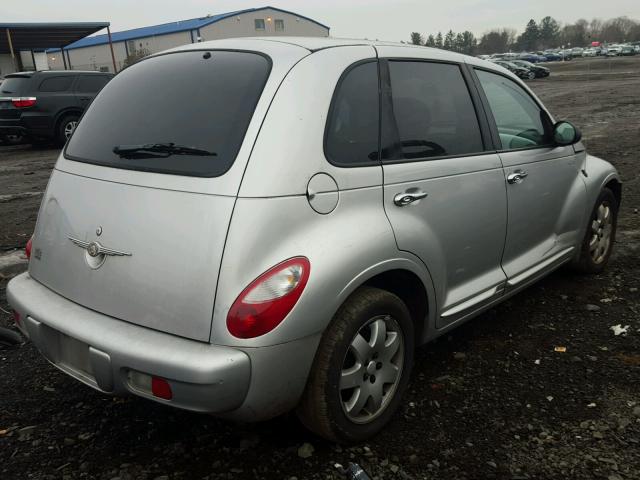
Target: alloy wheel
x,y
601,230
69,128
372,369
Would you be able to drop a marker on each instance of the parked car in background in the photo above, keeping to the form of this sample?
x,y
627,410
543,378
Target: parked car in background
x,y
614,50
47,104
553,56
529,57
577,51
627,50
567,54
309,279
518,70
539,71
589,52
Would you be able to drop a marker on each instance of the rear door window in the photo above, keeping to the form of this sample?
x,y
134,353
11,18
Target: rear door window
x,y
92,83
352,129
202,101
56,84
434,113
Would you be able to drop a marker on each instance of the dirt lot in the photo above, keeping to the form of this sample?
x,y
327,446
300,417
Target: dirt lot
x,y
491,400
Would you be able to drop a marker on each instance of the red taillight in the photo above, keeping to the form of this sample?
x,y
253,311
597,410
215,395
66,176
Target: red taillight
x,y
161,388
23,102
268,299
27,249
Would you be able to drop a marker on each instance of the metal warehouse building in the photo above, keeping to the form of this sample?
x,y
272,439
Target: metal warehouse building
x,y
93,53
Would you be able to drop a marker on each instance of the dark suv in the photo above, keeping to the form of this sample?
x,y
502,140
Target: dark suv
x,y
47,104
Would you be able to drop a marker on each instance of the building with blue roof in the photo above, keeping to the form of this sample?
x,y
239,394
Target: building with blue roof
x,y
93,53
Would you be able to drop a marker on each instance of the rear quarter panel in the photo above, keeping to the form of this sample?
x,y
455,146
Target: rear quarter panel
x,y
345,248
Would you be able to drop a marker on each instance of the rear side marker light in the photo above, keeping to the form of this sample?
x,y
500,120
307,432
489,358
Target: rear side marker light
x,y
265,303
23,102
27,249
16,318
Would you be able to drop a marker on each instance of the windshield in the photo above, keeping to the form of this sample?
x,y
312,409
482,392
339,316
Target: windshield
x,y
13,85
176,106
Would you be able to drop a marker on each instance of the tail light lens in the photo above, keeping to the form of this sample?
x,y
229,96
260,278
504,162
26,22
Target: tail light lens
x,y
268,299
27,249
23,102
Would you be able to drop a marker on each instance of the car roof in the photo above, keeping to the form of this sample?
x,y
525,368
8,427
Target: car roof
x,y
313,44
55,72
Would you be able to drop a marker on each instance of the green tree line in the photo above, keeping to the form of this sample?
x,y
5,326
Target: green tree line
x,y
547,33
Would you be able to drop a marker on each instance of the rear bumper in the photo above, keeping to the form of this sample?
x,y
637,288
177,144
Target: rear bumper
x,y
101,351
12,126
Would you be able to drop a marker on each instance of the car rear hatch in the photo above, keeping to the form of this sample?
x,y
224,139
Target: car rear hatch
x,y
14,86
135,217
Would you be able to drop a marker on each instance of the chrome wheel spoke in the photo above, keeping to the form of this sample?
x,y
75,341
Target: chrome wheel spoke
x,y
378,335
360,348
593,243
388,373
358,400
351,377
377,395
391,346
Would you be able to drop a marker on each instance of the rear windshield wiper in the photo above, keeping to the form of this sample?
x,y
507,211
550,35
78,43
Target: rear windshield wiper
x,y
159,150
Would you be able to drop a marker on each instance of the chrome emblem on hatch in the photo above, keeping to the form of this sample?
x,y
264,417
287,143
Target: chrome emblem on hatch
x,y
96,253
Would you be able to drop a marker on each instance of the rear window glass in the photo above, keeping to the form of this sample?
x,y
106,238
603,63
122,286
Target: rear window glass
x,y
198,100
13,84
56,84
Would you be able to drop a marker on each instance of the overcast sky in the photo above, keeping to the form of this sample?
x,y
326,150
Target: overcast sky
x,y
374,19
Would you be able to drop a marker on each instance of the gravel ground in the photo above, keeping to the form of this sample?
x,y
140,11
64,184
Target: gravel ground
x,y
495,399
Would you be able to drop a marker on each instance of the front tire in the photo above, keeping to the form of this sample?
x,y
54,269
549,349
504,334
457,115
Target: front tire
x,y
531,75
597,244
361,368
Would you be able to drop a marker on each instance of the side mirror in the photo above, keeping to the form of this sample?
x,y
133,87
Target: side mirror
x,y
565,133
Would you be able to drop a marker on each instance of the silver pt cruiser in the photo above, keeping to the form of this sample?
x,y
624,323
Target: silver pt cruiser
x,y
248,226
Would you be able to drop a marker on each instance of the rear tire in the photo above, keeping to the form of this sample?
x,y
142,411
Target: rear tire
x,y
66,127
531,75
361,368
599,238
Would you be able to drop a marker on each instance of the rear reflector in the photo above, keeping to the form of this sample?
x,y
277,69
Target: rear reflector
x,y
156,386
16,318
161,388
23,102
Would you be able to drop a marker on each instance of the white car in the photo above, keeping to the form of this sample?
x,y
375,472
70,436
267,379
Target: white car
x,y
614,51
589,52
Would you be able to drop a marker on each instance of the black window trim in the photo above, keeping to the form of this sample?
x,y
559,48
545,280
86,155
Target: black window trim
x,y
488,143
336,90
491,118
182,174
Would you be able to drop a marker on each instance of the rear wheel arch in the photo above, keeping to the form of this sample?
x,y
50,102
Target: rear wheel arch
x,y
407,286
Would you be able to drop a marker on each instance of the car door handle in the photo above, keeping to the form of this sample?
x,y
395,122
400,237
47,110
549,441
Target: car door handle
x,y
407,198
517,177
